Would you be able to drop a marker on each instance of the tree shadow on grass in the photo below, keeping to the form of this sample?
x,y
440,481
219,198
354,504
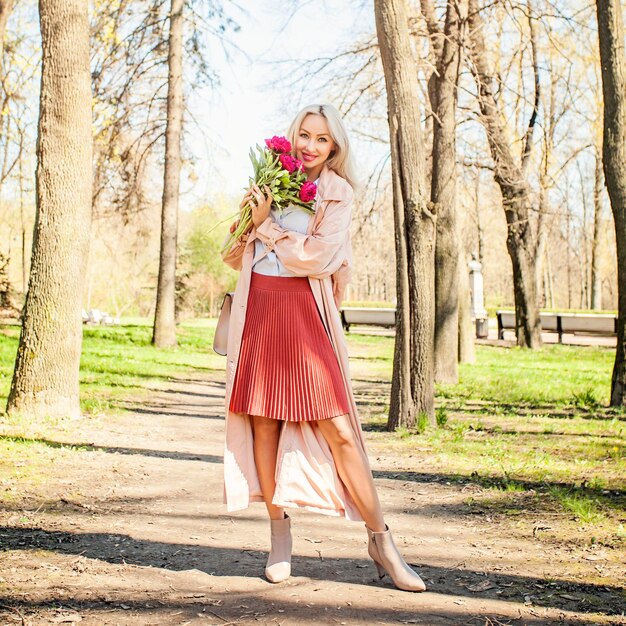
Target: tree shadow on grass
x,y
615,498
217,385
540,409
497,430
225,561
88,447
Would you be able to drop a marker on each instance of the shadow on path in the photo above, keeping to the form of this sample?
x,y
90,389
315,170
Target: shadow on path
x,y
224,561
615,497
247,608
88,447
200,412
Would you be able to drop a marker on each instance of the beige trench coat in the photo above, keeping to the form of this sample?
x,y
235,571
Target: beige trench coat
x,y
306,475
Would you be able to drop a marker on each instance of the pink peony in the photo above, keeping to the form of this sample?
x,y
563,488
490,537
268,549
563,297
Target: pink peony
x,y
308,191
278,144
299,165
288,162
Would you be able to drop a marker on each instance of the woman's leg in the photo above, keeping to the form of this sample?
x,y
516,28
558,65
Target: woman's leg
x,y
354,471
266,434
353,468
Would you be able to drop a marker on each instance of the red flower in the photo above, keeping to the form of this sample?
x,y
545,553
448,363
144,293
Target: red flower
x,y
308,191
299,165
278,144
288,162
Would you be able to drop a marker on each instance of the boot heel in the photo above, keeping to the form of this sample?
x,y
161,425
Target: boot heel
x,y
388,560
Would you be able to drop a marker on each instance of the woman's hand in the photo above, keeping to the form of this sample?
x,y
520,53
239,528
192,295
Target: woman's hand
x,y
259,203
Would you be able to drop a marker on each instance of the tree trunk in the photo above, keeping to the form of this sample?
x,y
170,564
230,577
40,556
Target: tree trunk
x,y
45,380
596,276
401,402
407,155
515,191
164,333
613,64
443,188
6,6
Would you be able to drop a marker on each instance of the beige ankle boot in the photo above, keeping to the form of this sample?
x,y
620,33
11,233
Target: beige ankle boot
x,y
278,566
387,558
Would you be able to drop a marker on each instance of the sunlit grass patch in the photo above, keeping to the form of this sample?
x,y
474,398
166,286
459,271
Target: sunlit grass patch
x,y
585,399
22,462
552,375
119,362
586,509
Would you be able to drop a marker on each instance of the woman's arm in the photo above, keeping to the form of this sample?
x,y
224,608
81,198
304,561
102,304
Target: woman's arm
x,y
340,280
234,255
319,254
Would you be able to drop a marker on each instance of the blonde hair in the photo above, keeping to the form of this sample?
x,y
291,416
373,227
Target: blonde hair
x,y
341,160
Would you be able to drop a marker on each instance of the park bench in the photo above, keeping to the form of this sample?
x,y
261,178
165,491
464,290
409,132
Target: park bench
x,y
367,316
564,323
94,316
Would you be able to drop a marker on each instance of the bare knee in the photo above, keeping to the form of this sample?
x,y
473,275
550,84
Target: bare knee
x,y
265,426
337,431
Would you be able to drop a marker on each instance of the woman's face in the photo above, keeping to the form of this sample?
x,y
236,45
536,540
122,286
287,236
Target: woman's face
x,y
314,143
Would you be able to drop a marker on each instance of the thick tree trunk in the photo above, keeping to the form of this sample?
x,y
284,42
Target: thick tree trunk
x,y
613,62
443,186
401,402
45,380
515,191
407,154
164,333
596,276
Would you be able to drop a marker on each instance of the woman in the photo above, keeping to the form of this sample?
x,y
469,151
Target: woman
x,y
293,437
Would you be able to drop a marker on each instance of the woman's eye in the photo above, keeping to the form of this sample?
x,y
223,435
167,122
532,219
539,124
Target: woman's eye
x,y
323,139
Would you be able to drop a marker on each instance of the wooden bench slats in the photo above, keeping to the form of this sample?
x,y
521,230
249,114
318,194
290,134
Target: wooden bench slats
x,y
368,316
561,323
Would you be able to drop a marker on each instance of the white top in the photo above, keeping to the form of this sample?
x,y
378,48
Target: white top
x,y
293,218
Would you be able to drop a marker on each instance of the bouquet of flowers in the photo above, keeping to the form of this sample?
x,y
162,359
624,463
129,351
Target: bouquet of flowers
x,y
283,174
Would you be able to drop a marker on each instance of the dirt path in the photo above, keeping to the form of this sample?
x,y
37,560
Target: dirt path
x,y
130,529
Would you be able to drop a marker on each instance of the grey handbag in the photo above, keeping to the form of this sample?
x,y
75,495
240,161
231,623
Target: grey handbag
x,y
220,340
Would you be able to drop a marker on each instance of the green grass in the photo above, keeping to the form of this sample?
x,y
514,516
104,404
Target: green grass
x,y
552,375
586,509
119,362
555,375
22,462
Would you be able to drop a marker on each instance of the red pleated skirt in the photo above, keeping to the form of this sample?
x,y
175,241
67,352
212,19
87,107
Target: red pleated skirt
x,y
287,368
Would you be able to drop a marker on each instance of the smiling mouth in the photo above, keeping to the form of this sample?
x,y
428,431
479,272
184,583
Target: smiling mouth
x,y
308,157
